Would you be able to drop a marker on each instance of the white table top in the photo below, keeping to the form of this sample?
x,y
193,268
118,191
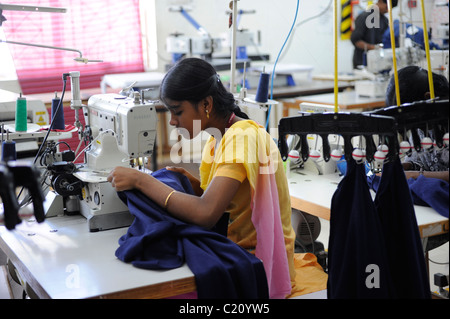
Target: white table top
x,y
123,80
346,100
62,259
312,193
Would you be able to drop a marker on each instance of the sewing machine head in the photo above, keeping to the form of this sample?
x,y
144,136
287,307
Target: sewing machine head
x,y
120,128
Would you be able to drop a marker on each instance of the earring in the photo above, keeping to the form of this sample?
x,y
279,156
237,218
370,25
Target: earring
x,y
207,114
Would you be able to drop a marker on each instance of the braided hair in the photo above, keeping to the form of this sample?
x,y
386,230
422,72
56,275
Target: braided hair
x,y
193,79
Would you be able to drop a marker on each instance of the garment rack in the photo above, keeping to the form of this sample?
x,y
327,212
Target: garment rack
x,y
425,115
347,125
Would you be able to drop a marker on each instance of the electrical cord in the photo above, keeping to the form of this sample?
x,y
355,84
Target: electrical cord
x,y
307,20
276,61
65,75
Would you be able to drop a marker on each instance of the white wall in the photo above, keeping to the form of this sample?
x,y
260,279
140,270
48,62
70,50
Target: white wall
x,y
312,42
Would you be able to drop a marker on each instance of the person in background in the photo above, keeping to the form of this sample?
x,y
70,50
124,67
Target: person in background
x,y
369,29
413,34
414,86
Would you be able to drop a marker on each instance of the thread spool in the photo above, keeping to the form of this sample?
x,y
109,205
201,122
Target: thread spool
x,y
8,149
21,114
262,91
57,115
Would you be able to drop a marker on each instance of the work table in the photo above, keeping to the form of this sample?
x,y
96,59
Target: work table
x,y
61,259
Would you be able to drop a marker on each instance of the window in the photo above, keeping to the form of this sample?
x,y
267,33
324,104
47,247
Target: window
x,y
7,71
107,30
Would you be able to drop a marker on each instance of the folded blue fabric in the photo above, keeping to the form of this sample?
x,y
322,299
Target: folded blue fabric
x,y
156,240
425,191
431,192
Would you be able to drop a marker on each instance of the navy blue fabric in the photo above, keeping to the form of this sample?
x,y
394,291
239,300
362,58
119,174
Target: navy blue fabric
x,y
382,232
373,181
431,192
356,242
156,240
395,207
425,191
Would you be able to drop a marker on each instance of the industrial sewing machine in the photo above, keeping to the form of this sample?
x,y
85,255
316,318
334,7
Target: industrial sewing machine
x,y
379,66
179,45
119,131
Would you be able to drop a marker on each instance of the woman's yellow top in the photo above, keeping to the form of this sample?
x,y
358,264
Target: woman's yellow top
x,y
236,157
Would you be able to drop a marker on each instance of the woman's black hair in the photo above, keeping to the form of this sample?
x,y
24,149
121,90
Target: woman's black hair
x,y
413,84
193,79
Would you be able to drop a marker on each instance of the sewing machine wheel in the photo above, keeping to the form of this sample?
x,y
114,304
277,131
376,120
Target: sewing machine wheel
x,y
66,184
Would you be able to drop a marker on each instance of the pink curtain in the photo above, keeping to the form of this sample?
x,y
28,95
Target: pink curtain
x,y
107,30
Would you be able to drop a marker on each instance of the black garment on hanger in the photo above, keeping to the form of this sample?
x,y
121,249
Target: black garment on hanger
x,y
404,247
357,259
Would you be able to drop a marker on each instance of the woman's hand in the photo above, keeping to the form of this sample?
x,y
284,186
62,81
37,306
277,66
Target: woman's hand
x,y
123,178
194,181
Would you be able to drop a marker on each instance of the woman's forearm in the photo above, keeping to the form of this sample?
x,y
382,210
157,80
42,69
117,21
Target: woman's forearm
x,y
364,45
204,211
189,208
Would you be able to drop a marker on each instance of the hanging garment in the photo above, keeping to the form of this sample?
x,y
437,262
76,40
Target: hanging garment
x,y
431,192
406,259
357,260
156,240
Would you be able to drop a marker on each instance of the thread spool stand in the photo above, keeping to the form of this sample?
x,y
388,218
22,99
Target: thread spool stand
x,y
250,100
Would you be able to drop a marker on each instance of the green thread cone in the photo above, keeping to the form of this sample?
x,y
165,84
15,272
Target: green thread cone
x,y
21,114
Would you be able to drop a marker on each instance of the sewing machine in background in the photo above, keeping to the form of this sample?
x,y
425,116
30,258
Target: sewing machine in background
x,y
316,162
119,131
179,45
379,66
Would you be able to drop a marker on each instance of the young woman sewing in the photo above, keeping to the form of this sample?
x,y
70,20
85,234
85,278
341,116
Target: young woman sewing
x,y
241,172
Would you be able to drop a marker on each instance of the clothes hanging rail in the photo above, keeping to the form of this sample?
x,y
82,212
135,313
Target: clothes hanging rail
x,y
347,125
425,115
